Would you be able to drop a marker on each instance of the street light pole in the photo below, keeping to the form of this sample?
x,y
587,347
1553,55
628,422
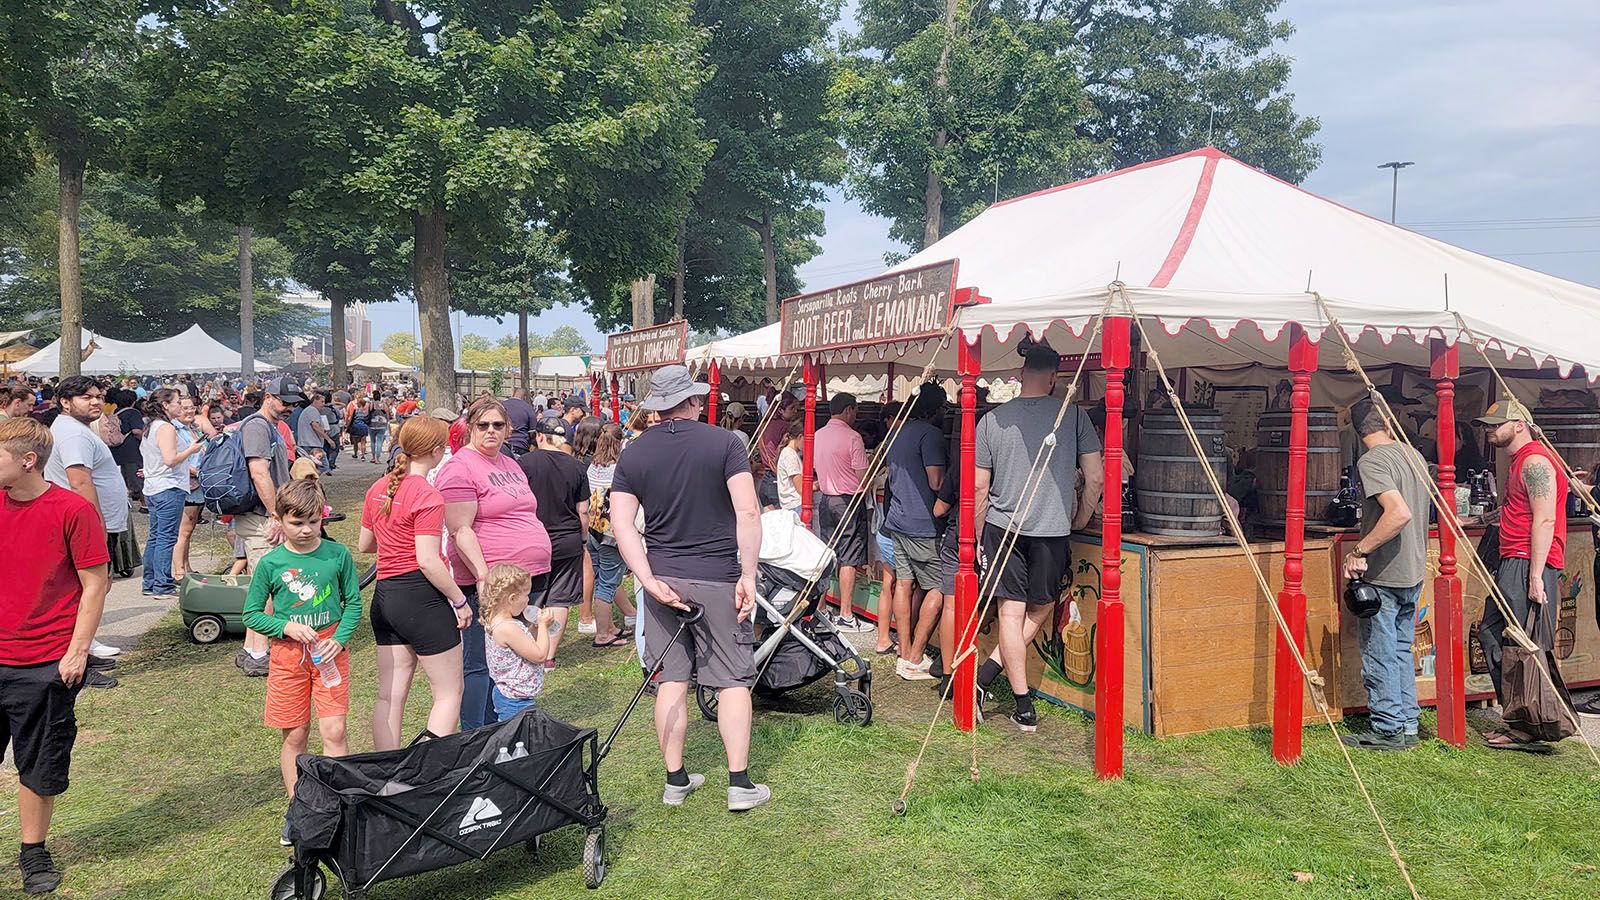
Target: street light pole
x,y
1394,192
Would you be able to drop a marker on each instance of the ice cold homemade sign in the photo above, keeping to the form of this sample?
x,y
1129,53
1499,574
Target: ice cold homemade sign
x,y
647,348
904,306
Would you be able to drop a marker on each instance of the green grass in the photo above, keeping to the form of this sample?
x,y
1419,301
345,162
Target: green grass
x,y
176,794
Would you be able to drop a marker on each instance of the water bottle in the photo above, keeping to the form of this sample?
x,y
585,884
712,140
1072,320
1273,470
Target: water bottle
x,y
520,752
503,756
326,669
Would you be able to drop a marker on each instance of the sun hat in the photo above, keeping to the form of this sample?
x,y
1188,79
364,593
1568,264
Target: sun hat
x,y
671,385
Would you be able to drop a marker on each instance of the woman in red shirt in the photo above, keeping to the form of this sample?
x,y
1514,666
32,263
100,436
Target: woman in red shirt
x,y
418,611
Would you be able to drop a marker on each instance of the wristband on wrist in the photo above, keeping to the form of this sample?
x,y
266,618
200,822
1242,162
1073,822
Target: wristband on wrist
x,y
458,604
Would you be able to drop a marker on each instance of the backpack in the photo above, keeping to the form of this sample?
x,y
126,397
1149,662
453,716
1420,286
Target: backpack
x,y
358,424
225,481
111,431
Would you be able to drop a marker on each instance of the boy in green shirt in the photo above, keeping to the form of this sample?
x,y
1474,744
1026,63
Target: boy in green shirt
x,y
316,603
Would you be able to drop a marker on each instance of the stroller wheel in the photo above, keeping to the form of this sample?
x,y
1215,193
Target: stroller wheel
x,y
706,698
852,708
287,887
594,857
532,845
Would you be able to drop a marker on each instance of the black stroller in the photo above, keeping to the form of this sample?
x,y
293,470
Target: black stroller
x,y
372,817
796,647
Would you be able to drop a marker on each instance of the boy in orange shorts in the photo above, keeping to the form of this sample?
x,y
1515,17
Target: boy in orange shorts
x,y
316,602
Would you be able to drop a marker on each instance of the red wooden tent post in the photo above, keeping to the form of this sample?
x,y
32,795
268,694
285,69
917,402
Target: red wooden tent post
x,y
809,451
616,401
970,365
714,379
594,395
1109,637
1451,680
1288,686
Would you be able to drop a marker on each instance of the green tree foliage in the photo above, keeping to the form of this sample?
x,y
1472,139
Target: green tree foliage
x,y
1009,97
402,348
564,341
149,271
446,113
765,108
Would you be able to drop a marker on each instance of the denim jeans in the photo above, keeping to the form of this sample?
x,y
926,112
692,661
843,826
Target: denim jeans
x,y
477,706
609,569
1387,668
506,707
377,437
166,513
333,451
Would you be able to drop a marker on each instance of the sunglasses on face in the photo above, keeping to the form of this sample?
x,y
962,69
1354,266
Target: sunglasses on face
x,y
490,426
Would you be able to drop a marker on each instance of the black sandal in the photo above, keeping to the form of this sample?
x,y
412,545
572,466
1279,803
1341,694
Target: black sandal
x,y
616,641
1512,741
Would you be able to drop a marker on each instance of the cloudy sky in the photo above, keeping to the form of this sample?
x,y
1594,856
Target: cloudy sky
x,y
1497,103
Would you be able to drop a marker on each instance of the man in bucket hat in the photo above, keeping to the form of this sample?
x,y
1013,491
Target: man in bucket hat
x,y
703,527
1533,537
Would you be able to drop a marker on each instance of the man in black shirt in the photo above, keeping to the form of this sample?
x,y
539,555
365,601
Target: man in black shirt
x,y
522,416
561,487
703,529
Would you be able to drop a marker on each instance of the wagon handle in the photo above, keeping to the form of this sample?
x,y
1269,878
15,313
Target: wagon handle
x,y
685,619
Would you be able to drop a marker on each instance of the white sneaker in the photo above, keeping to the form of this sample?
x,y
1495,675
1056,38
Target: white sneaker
x,y
98,649
588,627
741,799
850,625
911,671
674,795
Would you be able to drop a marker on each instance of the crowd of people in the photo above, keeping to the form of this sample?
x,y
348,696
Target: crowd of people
x,y
491,524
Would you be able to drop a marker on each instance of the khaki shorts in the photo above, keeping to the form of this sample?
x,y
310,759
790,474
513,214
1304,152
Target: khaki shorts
x,y
718,651
252,530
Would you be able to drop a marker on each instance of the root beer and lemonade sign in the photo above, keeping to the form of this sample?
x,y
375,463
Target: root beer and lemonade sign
x,y
647,348
904,306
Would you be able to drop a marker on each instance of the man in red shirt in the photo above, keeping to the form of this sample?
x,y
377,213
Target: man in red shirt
x,y
53,585
1533,536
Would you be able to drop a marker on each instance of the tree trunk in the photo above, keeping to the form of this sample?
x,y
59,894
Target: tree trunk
x,y
680,272
247,304
70,170
644,301
769,265
522,350
933,197
433,307
340,373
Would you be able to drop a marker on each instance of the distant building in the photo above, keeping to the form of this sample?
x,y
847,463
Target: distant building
x,y
314,347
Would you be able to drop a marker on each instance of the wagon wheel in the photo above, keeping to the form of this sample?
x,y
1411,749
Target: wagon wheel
x,y
207,629
286,886
706,698
852,707
594,857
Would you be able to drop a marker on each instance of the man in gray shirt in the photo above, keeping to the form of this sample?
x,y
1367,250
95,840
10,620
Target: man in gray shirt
x,y
1029,580
333,422
311,433
1392,555
268,458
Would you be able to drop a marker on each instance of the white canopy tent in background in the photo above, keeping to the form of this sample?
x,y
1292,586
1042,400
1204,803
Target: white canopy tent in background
x,y
377,361
191,351
1223,256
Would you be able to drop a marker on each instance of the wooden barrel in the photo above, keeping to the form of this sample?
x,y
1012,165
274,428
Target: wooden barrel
x,y
1174,496
1272,464
1573,432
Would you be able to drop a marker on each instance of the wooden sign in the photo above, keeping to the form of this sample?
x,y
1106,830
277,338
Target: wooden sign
x,y
904,306
647,348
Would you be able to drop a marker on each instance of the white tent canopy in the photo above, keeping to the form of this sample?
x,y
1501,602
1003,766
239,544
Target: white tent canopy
x,y
1224,257
191,351
378,361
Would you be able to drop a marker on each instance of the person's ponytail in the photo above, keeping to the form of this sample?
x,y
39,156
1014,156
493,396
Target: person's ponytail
x,y
396,475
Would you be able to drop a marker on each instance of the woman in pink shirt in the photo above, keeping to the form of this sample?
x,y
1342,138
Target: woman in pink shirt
x,y
418,610
491,517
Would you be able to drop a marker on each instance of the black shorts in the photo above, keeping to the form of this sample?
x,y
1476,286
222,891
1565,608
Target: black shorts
x,y
851,547
1032,571
565,583
950,561
38,725
408,610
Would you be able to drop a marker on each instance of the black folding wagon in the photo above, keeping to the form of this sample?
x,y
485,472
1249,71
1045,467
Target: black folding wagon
x,y
373,817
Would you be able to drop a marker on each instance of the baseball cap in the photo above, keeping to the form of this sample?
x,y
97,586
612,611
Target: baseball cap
x,y
552,426
574,403
444,414
285,389
1504,411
